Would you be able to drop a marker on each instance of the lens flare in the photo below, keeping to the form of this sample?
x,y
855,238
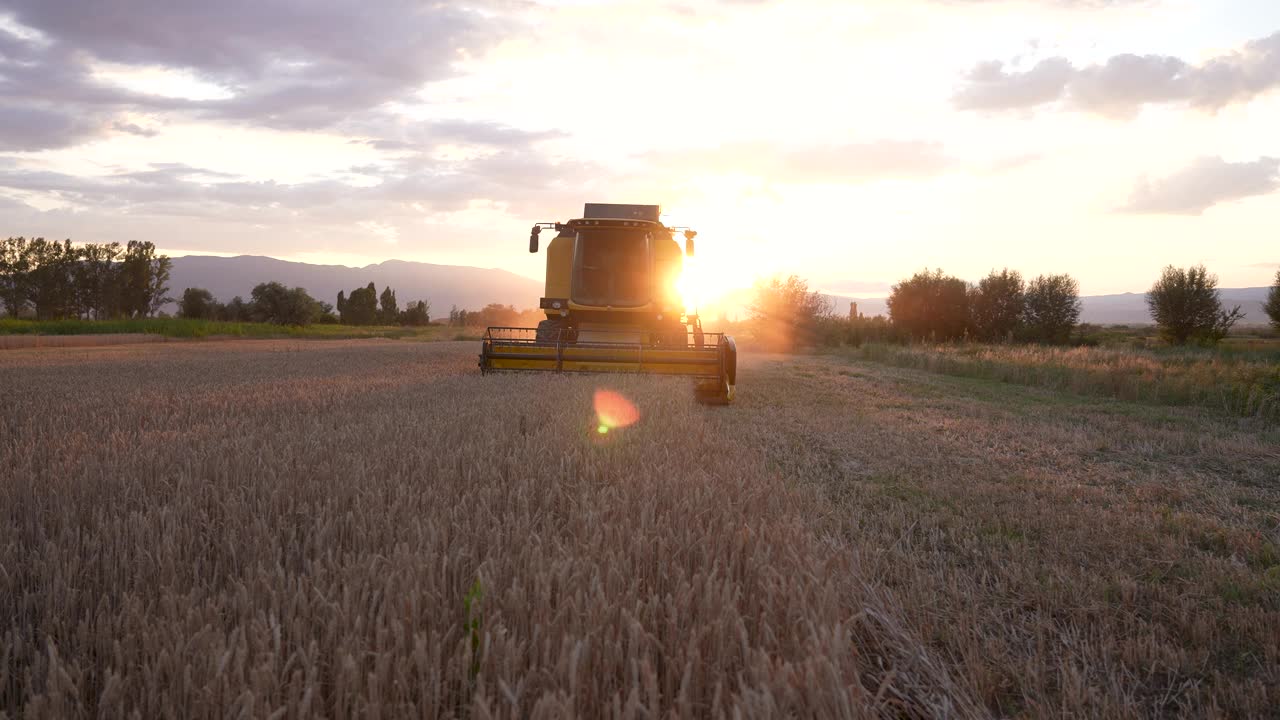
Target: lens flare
x,y
614,411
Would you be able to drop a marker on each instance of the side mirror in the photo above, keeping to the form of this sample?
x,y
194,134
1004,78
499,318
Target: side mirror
x,y
533,239
689,235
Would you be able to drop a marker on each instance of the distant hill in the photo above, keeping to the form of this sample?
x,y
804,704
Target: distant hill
x,y
1131,308
441,285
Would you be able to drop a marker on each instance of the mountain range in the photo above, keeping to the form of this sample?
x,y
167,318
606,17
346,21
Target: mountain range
x,y
442,286
472,288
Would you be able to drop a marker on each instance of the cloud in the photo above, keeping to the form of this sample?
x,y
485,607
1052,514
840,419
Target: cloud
x,y
850,162
1122,85
35,127
1206,182
410,187
293,64
398,136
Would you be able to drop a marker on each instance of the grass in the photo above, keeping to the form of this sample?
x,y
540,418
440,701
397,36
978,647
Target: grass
x,y
354,528
185,328
1243,382
1065,558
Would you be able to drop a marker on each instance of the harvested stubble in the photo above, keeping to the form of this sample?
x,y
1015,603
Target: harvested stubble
x,y
1067,556
341,529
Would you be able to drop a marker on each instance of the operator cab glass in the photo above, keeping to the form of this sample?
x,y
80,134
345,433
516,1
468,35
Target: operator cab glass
x,y
612,267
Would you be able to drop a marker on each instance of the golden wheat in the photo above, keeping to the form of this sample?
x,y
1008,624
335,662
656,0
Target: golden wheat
x,y
289,529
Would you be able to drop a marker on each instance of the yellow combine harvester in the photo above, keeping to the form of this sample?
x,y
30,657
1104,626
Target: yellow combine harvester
x,y
612,306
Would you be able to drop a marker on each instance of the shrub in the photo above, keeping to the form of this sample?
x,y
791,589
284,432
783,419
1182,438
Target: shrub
x,y
197,304
996,305
417,314
1186,307
275,303
931,306
785,314
1051,308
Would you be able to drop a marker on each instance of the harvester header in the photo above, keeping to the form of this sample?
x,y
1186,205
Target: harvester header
x,y
611,305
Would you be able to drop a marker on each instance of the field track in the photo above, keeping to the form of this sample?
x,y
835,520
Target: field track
x,y
371,527
11,342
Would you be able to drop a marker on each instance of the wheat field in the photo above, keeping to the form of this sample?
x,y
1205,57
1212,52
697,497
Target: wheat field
x,y
373,529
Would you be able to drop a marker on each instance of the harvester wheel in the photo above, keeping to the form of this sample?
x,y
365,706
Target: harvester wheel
x,y
714,392
720,390
553,331
673,335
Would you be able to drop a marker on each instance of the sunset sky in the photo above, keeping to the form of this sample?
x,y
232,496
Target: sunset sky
x,y
851,143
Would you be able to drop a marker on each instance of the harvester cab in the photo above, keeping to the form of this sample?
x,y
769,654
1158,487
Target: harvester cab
x,y
612,305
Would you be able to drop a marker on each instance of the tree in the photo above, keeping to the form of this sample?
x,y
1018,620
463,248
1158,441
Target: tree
x,y
342,302
361,306
785,313
389,313
197,304
1052,308
417,314
52,284
930,305
144,279
1186,307
236,311
326,315
96,278
15,275
996,305
275,303
1272,306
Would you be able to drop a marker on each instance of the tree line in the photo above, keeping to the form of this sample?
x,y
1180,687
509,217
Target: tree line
x,y
1001,307
364,306
273,302
495,315
54,280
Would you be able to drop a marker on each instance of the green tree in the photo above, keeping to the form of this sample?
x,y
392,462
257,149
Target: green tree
x,y
236,311
361,306
417,314
275,303
342,302
996,305
1052,308
197,304
144,279
1186,307
785,313
96,277
1272,306
930,305
53,290
15,275
389,313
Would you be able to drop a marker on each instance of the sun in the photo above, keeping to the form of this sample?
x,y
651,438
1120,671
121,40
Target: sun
x,y
709,276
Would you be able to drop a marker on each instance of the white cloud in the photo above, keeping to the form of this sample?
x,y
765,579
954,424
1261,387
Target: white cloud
x,y
1122,85
1204,183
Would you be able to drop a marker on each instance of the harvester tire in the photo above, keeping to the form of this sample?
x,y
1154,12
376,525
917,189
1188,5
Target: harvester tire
x,y
551,332
674,335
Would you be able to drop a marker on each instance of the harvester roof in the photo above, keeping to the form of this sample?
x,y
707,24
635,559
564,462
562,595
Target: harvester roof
x,y
611,211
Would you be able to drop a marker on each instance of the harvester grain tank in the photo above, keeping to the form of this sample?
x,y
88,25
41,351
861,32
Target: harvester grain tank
x,y
611,305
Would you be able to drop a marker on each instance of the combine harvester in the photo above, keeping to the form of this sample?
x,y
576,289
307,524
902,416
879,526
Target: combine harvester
x,y
612,306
